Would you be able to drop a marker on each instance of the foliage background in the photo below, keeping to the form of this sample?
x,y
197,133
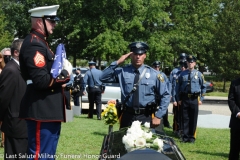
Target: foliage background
x,y
101,30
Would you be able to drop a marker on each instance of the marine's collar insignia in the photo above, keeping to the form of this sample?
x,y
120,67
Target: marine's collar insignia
x,y
138,45
160,77
147,75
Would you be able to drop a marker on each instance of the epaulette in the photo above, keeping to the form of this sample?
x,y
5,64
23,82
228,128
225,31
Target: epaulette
x,y
147,66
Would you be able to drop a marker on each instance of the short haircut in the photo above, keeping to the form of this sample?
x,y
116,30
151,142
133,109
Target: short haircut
x,y
4,50
16,45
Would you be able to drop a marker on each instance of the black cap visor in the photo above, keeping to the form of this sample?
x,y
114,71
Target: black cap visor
x,y
52,18
138,50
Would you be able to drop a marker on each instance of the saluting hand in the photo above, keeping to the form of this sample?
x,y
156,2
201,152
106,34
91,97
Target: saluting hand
x,y
123,57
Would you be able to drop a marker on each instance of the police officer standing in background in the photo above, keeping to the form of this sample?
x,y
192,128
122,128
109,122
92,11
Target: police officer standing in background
x,y
177,112
139,83
95,89
190,86
156,66
42,105
78,87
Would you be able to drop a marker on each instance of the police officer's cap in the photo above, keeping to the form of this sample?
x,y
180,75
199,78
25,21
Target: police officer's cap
x,y
79,69
156,63
191,58
183,63
47,12
138,47
182,56
91,63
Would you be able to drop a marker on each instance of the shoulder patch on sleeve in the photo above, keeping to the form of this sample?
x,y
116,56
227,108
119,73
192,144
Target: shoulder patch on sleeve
x,y
39,60
160,77
203,78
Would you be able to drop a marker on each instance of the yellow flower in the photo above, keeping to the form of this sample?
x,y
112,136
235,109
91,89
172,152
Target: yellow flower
x,y
110,113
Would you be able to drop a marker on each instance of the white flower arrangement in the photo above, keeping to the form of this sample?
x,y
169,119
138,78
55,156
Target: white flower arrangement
x,y
139,136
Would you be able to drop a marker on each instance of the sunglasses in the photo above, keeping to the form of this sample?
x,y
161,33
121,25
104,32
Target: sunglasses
x,y
51,21
156,66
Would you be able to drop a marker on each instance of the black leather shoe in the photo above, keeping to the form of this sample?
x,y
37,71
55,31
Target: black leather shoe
x,y
192,140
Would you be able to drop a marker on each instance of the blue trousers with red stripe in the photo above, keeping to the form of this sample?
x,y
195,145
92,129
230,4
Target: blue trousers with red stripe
x,y
42,139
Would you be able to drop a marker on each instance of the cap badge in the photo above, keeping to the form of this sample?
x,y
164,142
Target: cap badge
x,y
190,57
138,45
147,75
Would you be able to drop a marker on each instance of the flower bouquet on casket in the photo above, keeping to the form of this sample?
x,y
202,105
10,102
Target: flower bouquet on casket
x,y
141,137
109,114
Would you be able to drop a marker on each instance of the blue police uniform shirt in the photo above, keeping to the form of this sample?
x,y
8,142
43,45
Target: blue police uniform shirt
x,y
152,83
173,78
89,75
198,84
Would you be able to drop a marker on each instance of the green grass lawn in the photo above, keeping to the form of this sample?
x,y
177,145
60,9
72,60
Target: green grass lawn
x,y
218,94
82,139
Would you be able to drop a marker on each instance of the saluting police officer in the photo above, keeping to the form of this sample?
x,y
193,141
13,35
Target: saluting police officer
x,y
177,112
42,105
139,83
95,89
156,66
190,86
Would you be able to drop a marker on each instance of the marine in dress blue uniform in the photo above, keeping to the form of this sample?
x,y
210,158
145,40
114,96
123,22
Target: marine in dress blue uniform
x,y
177,110
190,90
91,78
43,104
151,85
156,66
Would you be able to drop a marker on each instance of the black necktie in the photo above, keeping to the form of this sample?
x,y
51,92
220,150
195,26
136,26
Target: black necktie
x,y
136,92
189,82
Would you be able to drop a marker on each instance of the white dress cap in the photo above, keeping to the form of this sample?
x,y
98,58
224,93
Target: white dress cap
x,y
44,11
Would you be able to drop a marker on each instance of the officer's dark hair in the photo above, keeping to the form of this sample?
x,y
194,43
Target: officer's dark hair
x,y
16,45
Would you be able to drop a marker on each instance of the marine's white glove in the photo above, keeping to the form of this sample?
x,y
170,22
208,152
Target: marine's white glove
x,y
67,66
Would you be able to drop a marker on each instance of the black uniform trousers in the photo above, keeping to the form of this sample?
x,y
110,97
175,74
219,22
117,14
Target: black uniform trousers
x,y
190,116
128,118
95,96
13,146
234,144
177,118
165,120
67,95
76,100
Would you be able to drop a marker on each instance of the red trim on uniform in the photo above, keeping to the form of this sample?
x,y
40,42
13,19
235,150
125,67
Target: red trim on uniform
x,y
37,140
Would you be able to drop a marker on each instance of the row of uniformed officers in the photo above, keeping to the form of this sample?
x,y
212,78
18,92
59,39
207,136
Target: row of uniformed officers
x,y
145,92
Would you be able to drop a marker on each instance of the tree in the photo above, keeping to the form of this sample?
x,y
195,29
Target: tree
x,y
6,38
192,23
225,55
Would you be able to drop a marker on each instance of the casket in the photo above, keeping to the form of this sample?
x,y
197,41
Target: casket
x,y
113,148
